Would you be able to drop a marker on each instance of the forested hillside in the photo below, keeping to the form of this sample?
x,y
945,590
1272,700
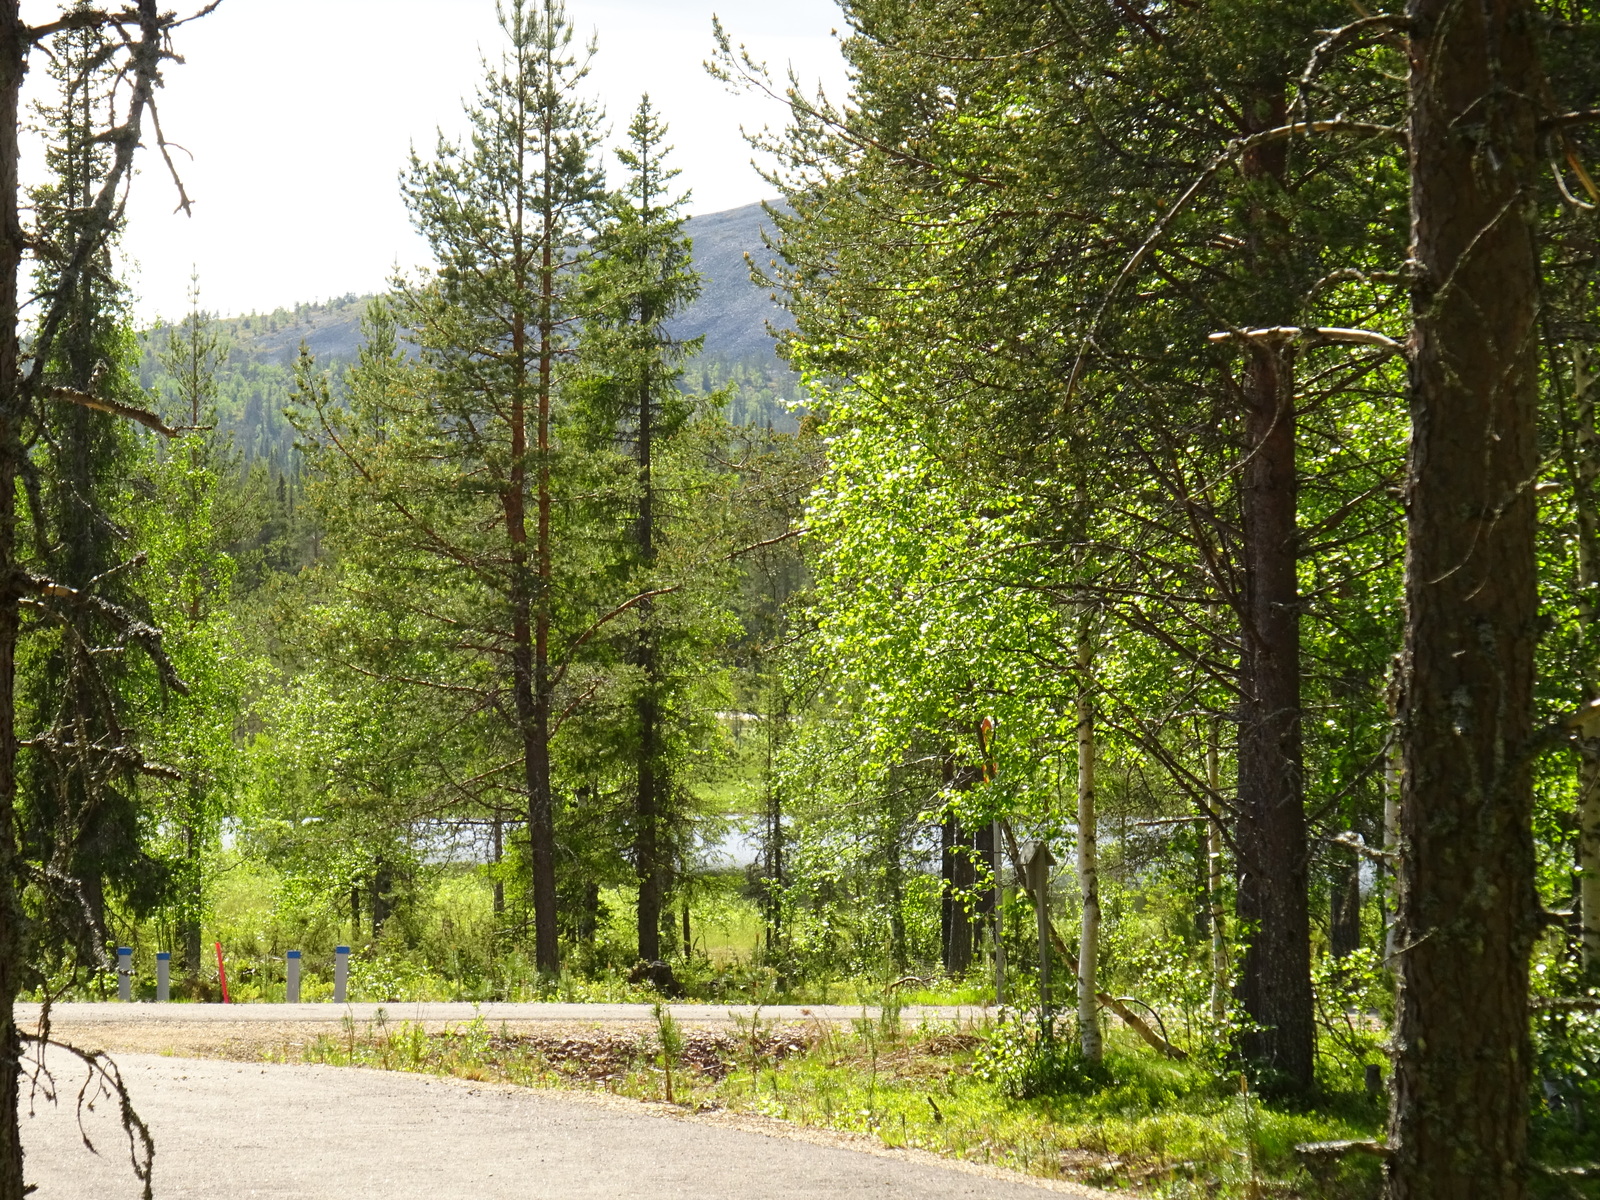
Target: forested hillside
x,y
255,375
1120,548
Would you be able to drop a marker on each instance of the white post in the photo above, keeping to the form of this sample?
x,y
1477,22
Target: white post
x,y
164,976
125,974
291,988
341,972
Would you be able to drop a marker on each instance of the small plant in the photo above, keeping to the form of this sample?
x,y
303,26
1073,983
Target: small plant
x,y
1025,1061
671,1037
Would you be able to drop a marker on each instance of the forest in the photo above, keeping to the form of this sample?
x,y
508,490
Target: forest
x,y
1149,589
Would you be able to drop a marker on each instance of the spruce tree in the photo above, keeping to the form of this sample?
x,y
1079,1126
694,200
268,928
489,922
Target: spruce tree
x,y
82,808
641,278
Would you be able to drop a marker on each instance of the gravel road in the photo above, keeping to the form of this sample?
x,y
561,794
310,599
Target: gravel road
x,y
314,1132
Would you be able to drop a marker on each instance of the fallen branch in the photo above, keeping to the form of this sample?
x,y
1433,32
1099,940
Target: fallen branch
x,y
1325,1151
1317,335
84,400
1351,841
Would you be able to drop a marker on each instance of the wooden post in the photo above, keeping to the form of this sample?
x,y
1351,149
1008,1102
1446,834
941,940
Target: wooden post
x,y
999,916
1039,865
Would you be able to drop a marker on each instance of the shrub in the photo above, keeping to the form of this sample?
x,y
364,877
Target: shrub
x,y
1024,1060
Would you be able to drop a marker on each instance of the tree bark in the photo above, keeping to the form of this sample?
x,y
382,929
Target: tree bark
x,y
955,844
12,945
1088,849
541,809
1274,987
1468,906
1272,860
1344,907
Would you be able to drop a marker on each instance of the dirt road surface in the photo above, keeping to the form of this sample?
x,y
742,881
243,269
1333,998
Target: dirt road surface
x,y
319,1133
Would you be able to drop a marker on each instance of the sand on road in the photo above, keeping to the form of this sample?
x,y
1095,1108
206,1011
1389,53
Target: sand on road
x,y
319,1133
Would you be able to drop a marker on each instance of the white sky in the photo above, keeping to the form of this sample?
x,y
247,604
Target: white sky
x,y
300,114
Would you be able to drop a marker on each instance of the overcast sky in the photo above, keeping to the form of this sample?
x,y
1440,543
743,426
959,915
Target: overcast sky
x,y
300,113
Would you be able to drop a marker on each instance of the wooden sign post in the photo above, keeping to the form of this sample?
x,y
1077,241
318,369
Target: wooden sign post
x,y
1038,871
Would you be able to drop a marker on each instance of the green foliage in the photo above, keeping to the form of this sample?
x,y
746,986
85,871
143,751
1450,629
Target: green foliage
x,y
1026,1060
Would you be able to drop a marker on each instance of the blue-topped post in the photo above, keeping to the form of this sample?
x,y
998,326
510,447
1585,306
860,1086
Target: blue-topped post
x,y
291,974
125,973
164,976
341,972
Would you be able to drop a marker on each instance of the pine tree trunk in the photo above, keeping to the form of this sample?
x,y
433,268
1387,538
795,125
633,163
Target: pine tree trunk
x,y
11,917
1468,907
1272,862
1088,850
962,880
1344,908
541,809
1274,987
1391,840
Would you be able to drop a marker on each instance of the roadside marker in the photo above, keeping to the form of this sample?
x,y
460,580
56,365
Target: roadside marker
x,y
125,974
222,974
341,972
291,989
164,976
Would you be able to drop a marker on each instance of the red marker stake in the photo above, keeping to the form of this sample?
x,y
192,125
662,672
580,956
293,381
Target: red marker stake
x,y
222,974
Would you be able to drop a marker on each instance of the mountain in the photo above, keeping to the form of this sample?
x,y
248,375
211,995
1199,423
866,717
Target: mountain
x,y
732,312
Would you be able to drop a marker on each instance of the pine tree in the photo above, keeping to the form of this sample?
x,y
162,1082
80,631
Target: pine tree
x,y
444,477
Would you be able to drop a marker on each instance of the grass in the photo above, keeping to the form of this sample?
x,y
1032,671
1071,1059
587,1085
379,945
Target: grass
x,y
1160,1128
